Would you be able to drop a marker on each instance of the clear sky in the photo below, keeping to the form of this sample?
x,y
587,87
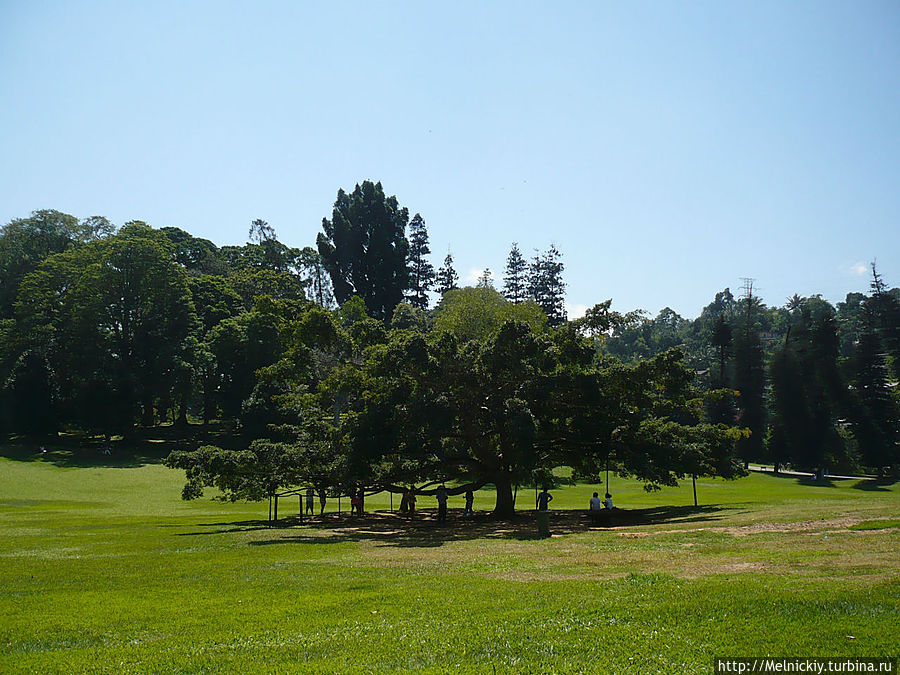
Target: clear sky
x,y
667,149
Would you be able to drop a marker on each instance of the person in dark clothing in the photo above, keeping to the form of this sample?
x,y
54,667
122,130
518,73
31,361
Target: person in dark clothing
x,y
410,498
544,499
442,496
470,501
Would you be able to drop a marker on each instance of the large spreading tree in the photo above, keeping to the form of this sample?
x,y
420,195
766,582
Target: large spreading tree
x,y
497,402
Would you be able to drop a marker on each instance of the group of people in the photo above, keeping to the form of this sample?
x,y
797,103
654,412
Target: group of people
x,y
597,505
311,500
544,499
408,502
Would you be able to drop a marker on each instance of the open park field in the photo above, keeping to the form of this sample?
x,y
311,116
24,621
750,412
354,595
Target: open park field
x,y
104,569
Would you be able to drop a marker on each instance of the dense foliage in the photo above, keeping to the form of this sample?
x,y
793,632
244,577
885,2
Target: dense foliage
x,y
104,330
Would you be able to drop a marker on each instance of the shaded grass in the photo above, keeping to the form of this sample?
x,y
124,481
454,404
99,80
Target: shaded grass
x,y
109,571
875,524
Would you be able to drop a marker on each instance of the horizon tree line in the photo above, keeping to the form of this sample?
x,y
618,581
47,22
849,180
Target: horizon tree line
x,y
104,330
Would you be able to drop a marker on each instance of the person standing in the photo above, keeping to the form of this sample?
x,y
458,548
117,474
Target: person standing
x,y
470,501
544,499
322,502
596,508
310,500
442,496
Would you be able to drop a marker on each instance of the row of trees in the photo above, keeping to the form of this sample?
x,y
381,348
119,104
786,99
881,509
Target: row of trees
x,y
101,330
366,252
818,382
335,372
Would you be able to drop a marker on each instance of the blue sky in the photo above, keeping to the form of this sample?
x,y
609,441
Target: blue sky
x,y
667,149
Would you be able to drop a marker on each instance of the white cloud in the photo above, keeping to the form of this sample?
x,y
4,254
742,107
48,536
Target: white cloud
x,y
472,276
575,311
859,269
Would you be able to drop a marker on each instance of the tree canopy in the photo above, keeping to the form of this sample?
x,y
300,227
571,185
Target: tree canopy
x,y
364,248
103,331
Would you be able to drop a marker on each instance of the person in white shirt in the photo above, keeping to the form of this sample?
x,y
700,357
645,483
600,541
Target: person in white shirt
x,y
596,504
608,501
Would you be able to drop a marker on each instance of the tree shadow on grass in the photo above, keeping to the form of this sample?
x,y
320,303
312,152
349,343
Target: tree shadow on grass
x,y
811,481
386,528
88,455
808,480
236,526
148,446
877,485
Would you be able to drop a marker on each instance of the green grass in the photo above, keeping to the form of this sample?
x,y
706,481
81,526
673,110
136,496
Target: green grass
x,y
105,569
875,524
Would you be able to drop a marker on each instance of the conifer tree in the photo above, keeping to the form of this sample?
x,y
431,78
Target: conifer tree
x,y
546,286
364,248
421,272
516,280
750,379
486,280
447,279
884,307
875,413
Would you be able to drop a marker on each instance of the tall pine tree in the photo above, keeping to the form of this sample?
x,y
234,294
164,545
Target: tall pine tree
x,y
874,410
546,286
447,279
750,379
808,394
515,283
421,272
884,306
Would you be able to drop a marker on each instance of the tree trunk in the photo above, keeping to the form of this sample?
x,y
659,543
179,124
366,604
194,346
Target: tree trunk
x,y
182,411
147,420
505,505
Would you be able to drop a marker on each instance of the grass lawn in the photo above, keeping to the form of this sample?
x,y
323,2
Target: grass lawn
x,y
104,569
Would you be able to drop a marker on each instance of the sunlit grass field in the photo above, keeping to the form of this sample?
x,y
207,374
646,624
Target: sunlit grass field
x,y
104,569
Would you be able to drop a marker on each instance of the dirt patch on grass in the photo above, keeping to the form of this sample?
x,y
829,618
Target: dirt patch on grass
x,y
761,528
510,551
706,566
